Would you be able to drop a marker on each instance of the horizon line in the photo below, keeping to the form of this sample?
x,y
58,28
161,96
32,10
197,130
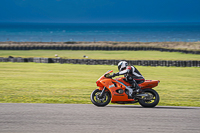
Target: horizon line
x,y
98,22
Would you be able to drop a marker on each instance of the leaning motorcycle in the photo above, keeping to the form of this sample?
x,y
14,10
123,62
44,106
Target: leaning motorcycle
x,y
117,90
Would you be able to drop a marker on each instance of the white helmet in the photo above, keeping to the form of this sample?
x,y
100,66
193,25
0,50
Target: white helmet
x,y
122,65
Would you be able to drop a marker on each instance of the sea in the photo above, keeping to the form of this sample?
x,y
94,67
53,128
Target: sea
x,y
94,32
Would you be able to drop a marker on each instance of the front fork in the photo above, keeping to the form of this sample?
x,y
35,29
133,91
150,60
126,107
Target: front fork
x,y
102,93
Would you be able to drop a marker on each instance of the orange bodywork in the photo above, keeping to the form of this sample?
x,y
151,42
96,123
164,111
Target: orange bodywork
x,y
113,85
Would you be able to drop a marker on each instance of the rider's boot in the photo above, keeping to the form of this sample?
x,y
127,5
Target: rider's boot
x,y
137,88
133,90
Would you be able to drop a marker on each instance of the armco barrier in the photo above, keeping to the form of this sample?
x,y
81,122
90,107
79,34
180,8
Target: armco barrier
x,y
168,63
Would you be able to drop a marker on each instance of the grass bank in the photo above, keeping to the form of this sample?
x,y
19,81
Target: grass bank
x,y
67,83
118,55
171,45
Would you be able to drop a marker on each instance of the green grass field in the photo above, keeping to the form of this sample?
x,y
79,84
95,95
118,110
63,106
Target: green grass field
x,y
68,83
128,55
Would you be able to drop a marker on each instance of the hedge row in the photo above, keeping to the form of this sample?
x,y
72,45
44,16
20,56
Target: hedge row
x,y
190,63
114,48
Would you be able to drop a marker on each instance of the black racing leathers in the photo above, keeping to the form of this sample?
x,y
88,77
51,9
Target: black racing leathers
x,y
133,76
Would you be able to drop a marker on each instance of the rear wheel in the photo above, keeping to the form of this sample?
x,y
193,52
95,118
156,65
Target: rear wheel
x,y
100,101
151,100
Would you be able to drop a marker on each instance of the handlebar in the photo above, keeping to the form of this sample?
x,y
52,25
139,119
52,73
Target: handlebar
x,y
108,76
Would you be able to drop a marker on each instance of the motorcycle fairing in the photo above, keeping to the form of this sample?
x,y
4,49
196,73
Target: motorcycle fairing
x,y
113,86
149,84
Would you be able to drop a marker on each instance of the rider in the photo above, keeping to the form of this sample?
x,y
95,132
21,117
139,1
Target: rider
x,y
133,76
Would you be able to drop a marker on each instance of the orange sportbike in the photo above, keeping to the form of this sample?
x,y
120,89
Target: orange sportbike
x,y
117,91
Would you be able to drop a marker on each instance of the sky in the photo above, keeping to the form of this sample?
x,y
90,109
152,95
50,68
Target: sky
x,y
99,11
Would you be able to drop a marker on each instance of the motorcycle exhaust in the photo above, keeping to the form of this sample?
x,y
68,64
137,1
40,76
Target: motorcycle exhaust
x,y
144,96
141,95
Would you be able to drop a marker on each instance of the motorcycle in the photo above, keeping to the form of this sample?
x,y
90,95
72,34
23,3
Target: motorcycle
x,y
117,91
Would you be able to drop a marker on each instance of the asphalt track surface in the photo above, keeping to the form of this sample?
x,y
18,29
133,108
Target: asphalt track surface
x,y
87,118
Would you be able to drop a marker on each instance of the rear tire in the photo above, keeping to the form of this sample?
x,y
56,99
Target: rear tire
x,y
150,103
100,102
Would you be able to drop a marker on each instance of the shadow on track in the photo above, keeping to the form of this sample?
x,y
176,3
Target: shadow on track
x,y
157,107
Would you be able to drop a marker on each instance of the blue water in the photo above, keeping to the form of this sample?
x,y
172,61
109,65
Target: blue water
x,y
127,32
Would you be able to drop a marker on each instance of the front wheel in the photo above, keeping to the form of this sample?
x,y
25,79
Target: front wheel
x,y
151,100
100,101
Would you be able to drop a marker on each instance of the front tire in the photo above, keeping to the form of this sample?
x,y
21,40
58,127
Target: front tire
x,y
152,100
100,102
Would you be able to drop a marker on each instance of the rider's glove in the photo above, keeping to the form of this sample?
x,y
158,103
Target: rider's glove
x,y
115,74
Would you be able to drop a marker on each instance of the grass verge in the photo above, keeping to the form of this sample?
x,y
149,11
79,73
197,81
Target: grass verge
x,y
128,55
69,83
